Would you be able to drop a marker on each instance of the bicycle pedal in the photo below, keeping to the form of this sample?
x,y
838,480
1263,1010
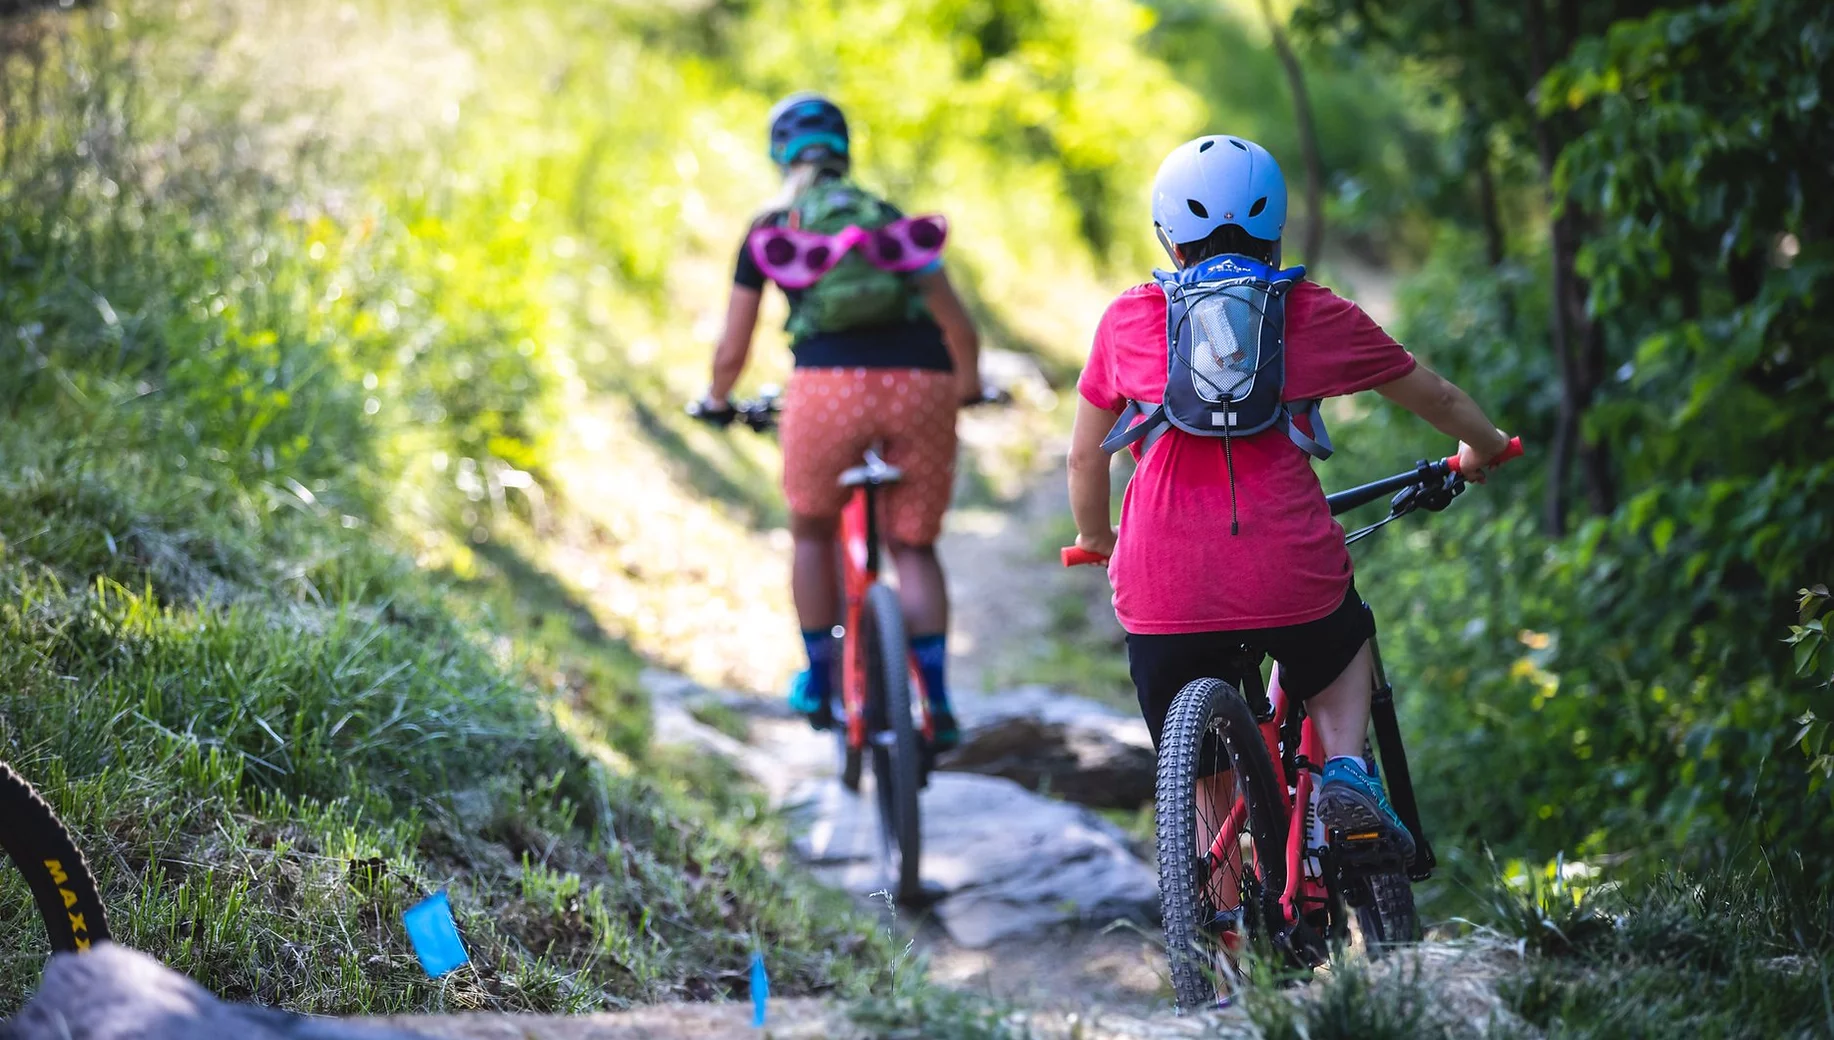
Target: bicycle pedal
x,y
1365,852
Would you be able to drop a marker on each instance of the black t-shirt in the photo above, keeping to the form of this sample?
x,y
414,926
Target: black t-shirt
x,y
914,343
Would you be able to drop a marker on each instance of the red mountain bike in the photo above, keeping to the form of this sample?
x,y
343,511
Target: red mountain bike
x,y
1297,894
884,707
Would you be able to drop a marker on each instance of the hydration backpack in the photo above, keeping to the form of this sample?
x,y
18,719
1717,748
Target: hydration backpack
x,y
854,293
1225,336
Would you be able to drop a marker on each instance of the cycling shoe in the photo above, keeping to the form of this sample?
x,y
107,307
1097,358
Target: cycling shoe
x,y
948,733
805,701
1366,834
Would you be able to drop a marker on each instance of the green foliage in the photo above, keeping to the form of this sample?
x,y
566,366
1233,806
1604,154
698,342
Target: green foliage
x,y
1810,638
237,381
226,767
1624,677
1375,148
1553,911
1726,954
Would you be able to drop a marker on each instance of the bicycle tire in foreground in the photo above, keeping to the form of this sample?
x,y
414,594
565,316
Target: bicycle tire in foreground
x,y
54,868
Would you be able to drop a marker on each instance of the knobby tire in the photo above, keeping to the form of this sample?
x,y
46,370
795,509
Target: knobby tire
x,y
1387,917
1199,708
54,868
896,762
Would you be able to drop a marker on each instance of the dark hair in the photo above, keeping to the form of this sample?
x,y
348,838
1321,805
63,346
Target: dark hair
x,y
1228,240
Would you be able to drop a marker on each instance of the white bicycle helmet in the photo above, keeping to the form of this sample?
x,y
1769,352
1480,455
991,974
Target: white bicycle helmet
x,y
1213,181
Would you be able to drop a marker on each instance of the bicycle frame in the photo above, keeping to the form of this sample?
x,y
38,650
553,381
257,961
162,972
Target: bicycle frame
x,y
1433,483
1296,752
1305,889
859,551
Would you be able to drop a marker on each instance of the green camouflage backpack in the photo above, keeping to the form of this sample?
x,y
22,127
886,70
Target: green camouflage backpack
x,y
854,293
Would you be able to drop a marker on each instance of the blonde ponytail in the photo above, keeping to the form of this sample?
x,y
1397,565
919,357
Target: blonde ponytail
x,y
798,178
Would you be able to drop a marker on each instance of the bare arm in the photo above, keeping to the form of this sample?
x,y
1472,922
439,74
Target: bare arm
x,y
957,330
735,342
1089,489
1434,398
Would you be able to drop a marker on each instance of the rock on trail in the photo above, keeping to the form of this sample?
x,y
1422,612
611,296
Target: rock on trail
x,y
1075,749
1002,860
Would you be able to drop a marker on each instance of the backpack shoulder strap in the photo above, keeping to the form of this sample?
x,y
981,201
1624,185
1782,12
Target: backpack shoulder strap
x,y
1126,431
1318,443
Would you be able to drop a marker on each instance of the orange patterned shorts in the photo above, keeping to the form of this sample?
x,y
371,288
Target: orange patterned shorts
x,y
832,415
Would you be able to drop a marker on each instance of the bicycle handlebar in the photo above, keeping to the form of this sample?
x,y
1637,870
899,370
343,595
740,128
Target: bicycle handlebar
x,y
1424,473
1429,484
761,413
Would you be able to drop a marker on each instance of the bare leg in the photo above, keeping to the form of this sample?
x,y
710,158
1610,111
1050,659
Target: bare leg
x,y
921,589
1340,712
1215,799
814,572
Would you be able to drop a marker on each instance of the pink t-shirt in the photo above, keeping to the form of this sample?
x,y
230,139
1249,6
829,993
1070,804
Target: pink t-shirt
x,y
1176,567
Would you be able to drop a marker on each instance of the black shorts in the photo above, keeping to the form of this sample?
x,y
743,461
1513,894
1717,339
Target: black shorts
x,y
1310,656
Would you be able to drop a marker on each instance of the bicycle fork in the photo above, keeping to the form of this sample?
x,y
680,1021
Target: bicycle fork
x,y
1394,766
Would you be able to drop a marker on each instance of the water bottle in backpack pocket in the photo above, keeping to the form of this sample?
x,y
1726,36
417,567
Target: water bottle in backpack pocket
x,y
1225,359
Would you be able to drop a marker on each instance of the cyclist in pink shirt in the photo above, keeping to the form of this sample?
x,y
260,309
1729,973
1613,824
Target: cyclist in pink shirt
x,y
1229,543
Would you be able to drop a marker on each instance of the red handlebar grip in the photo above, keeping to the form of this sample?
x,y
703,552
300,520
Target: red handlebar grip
x,y
1074,557
1514,451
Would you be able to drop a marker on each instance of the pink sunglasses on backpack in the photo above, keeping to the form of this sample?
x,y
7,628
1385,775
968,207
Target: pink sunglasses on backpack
x,y
797,259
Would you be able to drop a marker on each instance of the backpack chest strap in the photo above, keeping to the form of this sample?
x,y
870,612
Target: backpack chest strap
x,y
1152,425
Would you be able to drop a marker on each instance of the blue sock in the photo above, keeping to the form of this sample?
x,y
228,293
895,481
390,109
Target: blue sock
x,y
932,653
819,642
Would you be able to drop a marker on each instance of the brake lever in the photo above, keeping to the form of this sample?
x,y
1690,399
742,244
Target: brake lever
x,y
1405,501
1436,499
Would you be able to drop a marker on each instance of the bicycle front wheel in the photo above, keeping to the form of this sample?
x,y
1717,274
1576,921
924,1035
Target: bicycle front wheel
x,y
54,868
892,730
1211,728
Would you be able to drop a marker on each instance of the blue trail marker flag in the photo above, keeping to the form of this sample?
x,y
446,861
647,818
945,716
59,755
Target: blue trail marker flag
x,y
760,990
435,935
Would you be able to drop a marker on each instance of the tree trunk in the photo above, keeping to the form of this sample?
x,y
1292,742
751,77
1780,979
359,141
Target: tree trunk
x,y
1314,242
1496,244
1578,342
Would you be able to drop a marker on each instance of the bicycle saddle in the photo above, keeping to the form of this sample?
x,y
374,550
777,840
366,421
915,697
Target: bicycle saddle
x,y
873,471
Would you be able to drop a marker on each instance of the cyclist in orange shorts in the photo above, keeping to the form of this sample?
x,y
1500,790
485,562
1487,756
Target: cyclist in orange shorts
x,y
881,356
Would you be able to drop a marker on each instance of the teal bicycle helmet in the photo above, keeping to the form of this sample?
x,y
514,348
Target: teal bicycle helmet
x,y
806,127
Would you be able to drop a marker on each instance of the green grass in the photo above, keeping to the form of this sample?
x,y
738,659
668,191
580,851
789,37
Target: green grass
x,y
264,784
281,671
1355,1002
1723,954
1728,953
